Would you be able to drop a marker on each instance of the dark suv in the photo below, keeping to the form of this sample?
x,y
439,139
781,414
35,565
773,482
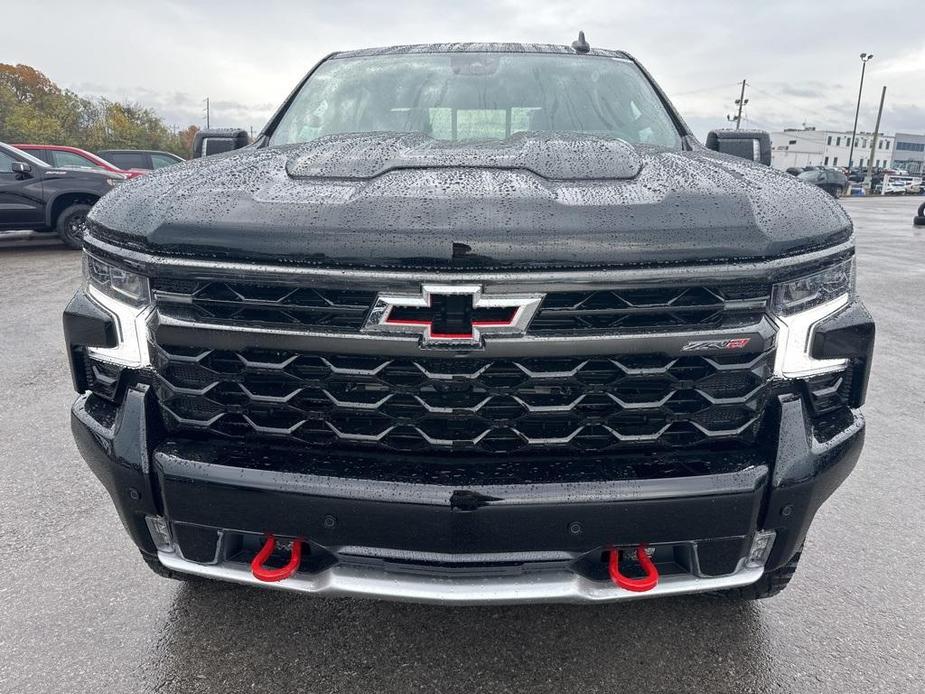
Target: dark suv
x,y
832,181
143,159
34,195
472,323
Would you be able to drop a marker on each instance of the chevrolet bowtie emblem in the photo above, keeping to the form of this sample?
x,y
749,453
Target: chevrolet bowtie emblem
x,y
452,316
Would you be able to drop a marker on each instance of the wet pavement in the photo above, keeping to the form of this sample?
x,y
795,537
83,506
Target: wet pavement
x,y
79,611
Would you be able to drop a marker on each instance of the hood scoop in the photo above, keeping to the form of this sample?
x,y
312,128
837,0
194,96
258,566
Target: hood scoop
x,y
556,156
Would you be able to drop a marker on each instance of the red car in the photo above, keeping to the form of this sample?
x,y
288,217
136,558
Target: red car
x,y
62,156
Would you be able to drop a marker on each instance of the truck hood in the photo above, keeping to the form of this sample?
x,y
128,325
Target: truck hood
x,y
393,200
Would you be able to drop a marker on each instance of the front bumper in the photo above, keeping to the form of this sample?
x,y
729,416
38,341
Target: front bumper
x,y
460,538
561,586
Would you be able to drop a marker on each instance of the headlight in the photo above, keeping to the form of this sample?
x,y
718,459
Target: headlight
x,y
813,290
113,281
127,297
798,306
114,181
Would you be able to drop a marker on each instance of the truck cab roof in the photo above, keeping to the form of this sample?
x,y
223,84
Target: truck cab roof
x,y
484,47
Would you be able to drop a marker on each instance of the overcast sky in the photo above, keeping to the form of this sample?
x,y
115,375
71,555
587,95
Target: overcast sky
x,y
800,58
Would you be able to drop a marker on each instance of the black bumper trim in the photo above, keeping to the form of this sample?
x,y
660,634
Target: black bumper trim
x,y
805,474
507,518
114,442
86,325
424,518
850,333
171,465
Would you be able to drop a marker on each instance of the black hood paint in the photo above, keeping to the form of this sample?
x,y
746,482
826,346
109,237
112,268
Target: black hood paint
x,y
531,201
564,156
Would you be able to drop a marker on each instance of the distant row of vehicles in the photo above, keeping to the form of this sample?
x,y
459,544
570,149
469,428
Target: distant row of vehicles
x,y
836,181
899,184
52,187
888,181
128,162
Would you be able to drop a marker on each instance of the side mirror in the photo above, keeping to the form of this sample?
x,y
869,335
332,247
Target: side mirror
x,y
21,168
754,145
218,140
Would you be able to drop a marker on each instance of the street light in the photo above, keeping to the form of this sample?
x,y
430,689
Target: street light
x,y
854,131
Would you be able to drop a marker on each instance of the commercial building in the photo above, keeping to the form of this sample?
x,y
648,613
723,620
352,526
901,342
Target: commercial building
x,y
810,147
909,153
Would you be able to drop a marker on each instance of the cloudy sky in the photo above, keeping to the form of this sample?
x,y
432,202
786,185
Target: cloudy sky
x,y
799,57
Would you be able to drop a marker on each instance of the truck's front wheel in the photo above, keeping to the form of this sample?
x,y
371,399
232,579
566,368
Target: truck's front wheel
x,y
161,570
72,223
770,584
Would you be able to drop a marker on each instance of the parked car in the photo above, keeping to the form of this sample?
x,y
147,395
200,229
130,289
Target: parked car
x,y
856,175
899,185
36,196
507,333
890,186
143,159
832,181
61,156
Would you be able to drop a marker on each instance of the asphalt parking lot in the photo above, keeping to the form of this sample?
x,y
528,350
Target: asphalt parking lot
x,y
79,611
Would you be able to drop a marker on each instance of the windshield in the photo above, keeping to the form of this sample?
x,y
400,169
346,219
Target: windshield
x,y
478,96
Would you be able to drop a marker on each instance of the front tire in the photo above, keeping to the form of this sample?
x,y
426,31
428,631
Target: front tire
x,y
72,224
770,584
155,565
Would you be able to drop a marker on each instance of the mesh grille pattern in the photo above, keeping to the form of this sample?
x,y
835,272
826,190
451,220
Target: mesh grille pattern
x,y
655,308
471,405
240,302
665,308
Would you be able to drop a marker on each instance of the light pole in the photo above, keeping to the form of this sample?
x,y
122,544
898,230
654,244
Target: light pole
x,y
740,102
854,131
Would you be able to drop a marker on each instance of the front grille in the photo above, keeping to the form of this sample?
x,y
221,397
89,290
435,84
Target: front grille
x,y
655,308
462,405
344,310
262,304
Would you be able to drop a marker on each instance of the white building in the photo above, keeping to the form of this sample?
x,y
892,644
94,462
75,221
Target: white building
x,y
909,153
811,147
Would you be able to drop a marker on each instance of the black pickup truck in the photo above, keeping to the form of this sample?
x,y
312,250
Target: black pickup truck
x,y
36,196
472,323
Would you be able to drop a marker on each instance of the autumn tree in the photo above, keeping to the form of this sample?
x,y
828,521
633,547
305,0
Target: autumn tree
x,y
187,137
34,109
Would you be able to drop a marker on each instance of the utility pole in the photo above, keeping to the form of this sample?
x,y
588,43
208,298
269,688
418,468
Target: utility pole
x,y
873,144
741,101
208,114
854,131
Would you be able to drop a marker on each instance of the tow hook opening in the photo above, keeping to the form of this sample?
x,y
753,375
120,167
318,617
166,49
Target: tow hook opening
x,y
270,574
637,585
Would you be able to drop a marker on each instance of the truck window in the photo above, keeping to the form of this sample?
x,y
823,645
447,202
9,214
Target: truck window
x,y
478,96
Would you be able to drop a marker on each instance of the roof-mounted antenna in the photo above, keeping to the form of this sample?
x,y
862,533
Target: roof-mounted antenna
x,y
581,46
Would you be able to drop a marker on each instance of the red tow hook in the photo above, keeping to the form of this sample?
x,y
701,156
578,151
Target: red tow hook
x,y
263,573
637,585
